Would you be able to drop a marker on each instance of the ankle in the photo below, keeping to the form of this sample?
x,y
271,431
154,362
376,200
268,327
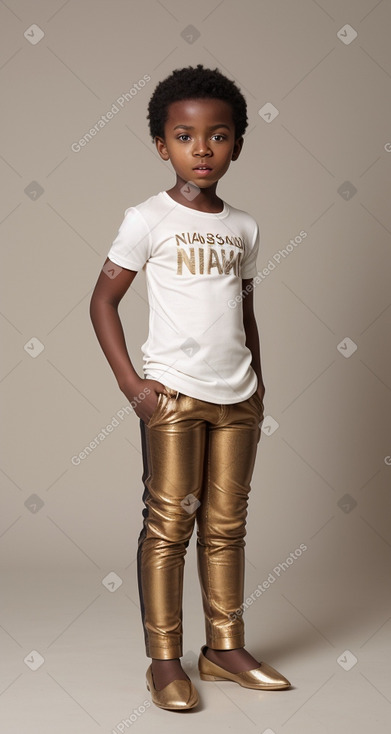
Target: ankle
x,y
218,651
159,661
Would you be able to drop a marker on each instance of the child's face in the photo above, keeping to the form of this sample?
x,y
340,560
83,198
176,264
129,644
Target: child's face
x,y
199,132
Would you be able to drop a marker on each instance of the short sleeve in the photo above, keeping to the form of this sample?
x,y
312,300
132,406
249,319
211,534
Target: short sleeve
x,y
249,262
131,247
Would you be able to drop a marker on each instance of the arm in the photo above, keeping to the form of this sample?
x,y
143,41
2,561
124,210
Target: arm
x,y
252,336
105,298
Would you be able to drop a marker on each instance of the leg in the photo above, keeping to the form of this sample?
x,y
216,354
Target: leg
x,y
173,450
221,520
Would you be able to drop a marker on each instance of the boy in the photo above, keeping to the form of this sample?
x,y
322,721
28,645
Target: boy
x,y
200,402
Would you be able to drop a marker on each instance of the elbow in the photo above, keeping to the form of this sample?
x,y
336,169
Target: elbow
x,y
92,312
94,306
99,306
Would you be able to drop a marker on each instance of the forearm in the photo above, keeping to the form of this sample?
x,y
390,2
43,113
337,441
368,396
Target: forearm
x,y
108,329
252,342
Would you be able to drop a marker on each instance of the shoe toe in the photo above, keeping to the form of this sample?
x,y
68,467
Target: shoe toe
x,y
179,694
264,677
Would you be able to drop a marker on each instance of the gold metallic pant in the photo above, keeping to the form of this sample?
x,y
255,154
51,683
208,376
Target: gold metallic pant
x,y
198,462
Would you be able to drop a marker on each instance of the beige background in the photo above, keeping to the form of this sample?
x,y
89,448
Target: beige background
x,y
322,478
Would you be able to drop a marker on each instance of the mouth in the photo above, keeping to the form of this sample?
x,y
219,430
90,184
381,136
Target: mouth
x,y
202,170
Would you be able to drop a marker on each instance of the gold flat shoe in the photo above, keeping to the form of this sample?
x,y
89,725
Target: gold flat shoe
x,y
177,695
264,678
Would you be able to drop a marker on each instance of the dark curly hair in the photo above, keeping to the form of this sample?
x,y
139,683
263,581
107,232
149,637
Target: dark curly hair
x,y
195,83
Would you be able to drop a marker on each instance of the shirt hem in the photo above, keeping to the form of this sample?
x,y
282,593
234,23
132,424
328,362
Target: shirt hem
x,y
186,388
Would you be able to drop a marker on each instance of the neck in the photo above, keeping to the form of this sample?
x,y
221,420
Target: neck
x,y
206,200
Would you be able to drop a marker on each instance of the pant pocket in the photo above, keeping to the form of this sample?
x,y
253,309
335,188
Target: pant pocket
x,y
160,397
257,401
172,393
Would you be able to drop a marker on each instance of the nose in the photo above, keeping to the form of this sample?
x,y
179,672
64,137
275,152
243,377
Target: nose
x,y
201,147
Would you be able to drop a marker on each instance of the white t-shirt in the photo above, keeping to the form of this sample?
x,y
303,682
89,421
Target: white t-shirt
x,y
194,263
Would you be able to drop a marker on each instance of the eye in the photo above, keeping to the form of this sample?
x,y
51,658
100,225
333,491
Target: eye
x,y
218,135
183,135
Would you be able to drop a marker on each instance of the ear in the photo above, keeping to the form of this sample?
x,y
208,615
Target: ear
x,y
237,148
161,148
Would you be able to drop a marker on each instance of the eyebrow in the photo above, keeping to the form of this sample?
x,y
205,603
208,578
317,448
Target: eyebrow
x,y
212,127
